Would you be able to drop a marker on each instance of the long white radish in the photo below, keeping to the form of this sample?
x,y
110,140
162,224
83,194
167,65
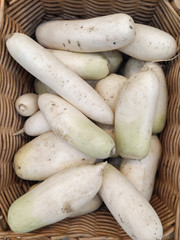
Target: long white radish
x,y
130,209
26,104
150,44
47,68
134,115
35,125
109,88
56,198
75,128
141,173
46,155
97,34
115,59
40,87
134,65
89,66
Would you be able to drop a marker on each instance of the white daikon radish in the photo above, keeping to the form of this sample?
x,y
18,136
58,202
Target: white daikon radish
x,y
26,104
132,66
162,102
115,59
109,88
56,198
40,88
134,115
89,66
75,128
141,173
46,155
130,209
35,125
47,68
89,207
97,34
150,44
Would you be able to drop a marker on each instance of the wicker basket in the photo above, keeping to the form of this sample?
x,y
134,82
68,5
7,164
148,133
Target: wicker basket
x,y
24,16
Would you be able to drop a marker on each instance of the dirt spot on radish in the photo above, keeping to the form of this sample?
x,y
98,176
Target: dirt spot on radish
x,y
67,208
78,43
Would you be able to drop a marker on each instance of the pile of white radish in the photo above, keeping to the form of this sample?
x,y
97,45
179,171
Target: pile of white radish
x,y
94,130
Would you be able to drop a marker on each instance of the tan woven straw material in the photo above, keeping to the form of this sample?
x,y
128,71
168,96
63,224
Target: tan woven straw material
x,y
24,16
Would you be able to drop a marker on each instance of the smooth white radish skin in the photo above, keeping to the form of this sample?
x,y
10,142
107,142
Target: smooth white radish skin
x,y
150,44
89,207
134,115
134,65
130,209
75,128
115,59
97,34
26,104
40,88
141,173
51,71
162,102
89,66
56,198
109,88
36,125
46,155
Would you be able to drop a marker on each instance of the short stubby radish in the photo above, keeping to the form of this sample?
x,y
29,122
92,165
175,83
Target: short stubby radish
x,y
151,44
26,104
130,209
134,65
40,88
35,125
134,115
89,66
46,155
56,198
109,88
97,34
75,128
141,173
115,59
51,71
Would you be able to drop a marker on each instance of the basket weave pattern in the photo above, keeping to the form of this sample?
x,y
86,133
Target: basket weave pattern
x,y
24,16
